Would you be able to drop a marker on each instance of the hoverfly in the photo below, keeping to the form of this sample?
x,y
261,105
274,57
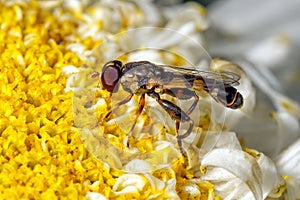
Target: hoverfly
x,y
145,78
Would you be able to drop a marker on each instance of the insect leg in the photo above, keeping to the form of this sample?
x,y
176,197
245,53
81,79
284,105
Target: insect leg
x,y
178,115
183,93
128,98
138,113
185,135
193,106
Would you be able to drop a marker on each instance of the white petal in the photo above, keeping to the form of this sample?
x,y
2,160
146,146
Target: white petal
x,y
95,196
99,103
171,189
49,4
288,162
271,180
189,13
293,188
157,184
239,163
75,5
220,140
192,190
287,110
217,174
269,52
152,13
70,69
288,129
137,166
129,183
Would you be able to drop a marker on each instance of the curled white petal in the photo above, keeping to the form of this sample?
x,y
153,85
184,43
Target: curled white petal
x,y
271,180
239,163
129,183
222,140
134,184
162,189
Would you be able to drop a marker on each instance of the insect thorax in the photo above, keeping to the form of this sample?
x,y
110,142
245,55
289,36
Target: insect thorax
x,y
140,78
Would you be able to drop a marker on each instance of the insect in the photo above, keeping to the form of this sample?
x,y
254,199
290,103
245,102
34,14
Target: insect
x,y
145,78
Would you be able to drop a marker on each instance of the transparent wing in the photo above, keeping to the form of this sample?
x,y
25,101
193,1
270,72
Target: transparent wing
x,y
223,76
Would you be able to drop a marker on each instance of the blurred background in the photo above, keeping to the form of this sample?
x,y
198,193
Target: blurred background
x,y
265,35
204,2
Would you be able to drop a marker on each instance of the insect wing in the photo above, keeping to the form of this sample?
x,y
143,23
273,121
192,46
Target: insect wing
x,y
226,77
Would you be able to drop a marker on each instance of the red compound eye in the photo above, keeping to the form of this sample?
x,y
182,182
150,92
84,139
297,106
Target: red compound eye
x,y
111,74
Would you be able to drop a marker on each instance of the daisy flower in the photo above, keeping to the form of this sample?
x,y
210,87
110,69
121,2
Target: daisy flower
x,y
57,140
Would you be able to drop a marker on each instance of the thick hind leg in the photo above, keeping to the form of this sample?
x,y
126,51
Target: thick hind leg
x,y
178,115
183,93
